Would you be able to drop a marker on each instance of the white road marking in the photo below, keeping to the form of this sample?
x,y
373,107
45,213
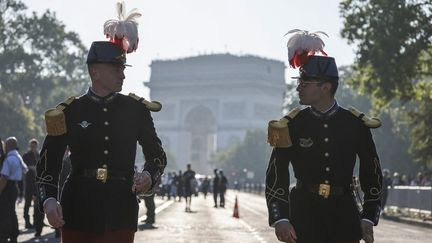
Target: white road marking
x,y
158,209
253,231
254,211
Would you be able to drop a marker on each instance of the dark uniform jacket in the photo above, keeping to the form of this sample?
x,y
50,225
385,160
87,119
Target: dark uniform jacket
x,y
30,159
324,149
100,131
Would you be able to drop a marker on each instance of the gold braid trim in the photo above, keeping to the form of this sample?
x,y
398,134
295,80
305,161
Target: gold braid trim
x,y
369,122
278,132
55,119
151,105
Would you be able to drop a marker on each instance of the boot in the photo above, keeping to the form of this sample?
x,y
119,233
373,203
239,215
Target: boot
x,y
28,225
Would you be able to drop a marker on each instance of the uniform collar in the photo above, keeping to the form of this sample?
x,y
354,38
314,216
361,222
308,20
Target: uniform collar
x,y
100,100
327,114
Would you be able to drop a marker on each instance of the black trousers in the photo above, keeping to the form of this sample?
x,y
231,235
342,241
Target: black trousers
x,y
150,205
215,195
332,220
8,216
28,198
38,218
222,197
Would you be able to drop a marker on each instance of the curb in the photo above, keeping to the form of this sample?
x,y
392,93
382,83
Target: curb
x,y
409,221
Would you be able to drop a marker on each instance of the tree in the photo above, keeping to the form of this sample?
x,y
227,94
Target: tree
x,y
420,120
391,35
394,64
42,64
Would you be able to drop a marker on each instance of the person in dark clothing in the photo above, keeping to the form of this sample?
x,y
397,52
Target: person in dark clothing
x,y
223,183
205,187
321,142
216,185
151,207
38,218
387,182
102,129
180,185
30,158
188,180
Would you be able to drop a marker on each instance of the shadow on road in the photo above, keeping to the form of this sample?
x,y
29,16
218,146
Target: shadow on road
x,y
48,238
142,227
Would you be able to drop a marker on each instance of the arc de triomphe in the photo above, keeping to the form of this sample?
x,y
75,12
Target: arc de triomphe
x,y
210,101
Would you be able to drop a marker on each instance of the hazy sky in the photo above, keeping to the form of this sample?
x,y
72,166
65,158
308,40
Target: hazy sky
x,y
171,29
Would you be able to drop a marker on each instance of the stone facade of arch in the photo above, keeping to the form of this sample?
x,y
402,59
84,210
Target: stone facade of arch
x,y
213,100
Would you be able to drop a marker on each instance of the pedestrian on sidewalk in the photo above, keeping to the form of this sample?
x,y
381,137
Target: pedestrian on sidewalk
x,y
102,127
11,172
205,186
188,179
216,186
223,184
180,185
322,141
173,187
387,182
151,207
30,159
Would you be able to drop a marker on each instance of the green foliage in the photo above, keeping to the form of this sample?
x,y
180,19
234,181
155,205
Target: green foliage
x,y
420,120
42,64
388,137
20,118
391,36
251,154
394,67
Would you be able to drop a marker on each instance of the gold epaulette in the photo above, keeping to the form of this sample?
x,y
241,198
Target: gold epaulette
x,y
55,119
151,105
369,122
278,132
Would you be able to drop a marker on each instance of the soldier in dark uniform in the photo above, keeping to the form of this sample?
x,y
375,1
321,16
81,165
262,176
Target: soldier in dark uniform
x,y
102,127
322,142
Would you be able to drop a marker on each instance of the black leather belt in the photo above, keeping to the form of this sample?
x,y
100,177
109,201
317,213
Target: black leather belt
x,y
324,190
103,174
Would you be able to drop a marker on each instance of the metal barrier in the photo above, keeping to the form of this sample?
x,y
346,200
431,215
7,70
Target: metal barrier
x,y
417,199
410,198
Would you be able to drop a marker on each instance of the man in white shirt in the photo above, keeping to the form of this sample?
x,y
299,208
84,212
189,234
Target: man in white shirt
x,y
12,170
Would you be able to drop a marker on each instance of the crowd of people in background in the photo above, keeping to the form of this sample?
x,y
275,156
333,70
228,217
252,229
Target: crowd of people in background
x,y
186,184
18,188
422,178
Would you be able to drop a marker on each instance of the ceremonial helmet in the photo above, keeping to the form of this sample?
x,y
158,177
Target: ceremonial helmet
x,y
302,47
123,38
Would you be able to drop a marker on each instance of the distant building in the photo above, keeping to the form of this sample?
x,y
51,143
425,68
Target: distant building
x,y
210,101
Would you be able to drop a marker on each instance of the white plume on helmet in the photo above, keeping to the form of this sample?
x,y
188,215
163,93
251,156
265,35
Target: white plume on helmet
x,y
302,44
124,31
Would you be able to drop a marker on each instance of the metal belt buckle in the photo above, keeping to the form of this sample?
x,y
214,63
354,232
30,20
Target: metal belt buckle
x,y
324,190
102,174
